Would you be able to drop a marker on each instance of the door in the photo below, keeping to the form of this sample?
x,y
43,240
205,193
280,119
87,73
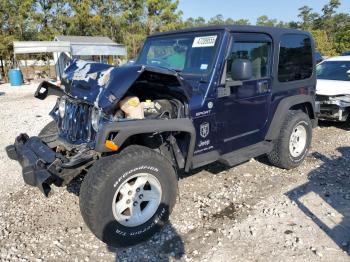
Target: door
x,y
244,107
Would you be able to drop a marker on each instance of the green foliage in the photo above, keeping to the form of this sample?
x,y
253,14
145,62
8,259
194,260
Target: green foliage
x,y
323,42
330,29
130,21
124,21
265,21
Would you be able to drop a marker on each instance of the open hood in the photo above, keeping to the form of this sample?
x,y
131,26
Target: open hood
x,y
104,85
332,87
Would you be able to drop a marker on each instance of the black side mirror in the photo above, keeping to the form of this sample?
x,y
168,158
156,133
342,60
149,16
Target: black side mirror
x,y
241,69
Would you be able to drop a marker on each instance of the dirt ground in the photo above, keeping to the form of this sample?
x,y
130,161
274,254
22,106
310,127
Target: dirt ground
x,y
252,212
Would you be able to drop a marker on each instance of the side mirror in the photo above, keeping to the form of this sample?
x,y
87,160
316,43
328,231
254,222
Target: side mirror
x,y
241,69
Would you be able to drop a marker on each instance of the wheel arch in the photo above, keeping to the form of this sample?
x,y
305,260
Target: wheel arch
x,y
306,103
124,130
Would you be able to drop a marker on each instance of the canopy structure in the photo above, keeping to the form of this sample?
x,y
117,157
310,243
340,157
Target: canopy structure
x,y
92,45
65,48
35,47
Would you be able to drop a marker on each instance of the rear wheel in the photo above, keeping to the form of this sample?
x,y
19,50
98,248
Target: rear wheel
x,y
125,199
291,148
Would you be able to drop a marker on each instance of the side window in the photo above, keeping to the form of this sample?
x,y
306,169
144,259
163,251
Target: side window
x,y
257,52
295,59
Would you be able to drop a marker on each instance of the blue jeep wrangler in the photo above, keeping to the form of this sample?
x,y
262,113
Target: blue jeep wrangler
x,y
193,97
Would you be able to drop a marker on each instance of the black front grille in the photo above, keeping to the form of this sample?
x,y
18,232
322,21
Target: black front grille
x,y
322,98
75,126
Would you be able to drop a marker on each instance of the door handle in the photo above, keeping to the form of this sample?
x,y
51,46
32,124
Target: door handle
x,y
263,87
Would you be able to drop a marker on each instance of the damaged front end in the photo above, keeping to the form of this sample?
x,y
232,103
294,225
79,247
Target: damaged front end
x,y
43,166
335,108
98,107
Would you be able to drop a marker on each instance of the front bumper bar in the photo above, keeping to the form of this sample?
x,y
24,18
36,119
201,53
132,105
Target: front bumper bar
x,y
34,157
41,166
330,110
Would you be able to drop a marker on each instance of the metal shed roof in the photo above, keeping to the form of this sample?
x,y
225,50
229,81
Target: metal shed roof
x,y
32,47
92,45
85,39
76,45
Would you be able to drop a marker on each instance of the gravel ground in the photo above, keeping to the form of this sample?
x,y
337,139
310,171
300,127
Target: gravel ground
x,y
252,212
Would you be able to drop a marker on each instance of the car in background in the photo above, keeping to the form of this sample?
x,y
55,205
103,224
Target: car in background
x,y
346,53
333,88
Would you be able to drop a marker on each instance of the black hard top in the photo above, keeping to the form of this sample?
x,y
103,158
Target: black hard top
x,y
273,31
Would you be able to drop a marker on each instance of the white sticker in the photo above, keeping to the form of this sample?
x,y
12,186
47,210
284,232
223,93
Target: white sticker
x,y
204,41
204,66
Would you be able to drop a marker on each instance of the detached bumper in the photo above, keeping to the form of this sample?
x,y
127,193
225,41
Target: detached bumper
x,y
333,109
41,166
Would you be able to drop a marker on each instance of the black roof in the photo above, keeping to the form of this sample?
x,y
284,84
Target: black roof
x,y
273,31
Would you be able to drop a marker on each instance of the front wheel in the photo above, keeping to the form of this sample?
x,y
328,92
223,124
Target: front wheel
x,y
125,199
291,148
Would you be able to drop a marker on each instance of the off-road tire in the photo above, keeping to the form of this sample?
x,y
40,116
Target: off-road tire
x,y
49,133
280,155
100,185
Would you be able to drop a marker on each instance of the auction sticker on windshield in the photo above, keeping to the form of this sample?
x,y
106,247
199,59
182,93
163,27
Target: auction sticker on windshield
x,y
204,41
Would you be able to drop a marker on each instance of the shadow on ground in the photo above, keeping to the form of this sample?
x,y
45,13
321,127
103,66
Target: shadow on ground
x,y
326,197
341,125
164,246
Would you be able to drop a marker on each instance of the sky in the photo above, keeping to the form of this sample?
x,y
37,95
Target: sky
x,y
282,10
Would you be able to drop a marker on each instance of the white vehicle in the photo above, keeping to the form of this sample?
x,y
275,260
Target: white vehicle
x,y
333,88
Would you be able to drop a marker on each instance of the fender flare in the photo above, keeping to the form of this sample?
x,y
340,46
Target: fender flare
x,y
282,110
134,127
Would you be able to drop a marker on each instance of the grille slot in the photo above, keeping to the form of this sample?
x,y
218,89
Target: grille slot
x,y
76,126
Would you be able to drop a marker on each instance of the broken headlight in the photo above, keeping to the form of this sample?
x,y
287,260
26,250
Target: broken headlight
x,y
62,107
95,118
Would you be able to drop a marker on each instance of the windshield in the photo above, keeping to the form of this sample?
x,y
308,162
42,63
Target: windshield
x,y
185,53
334,70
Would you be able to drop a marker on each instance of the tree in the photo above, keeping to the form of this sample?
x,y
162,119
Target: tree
x,y
308,17
323,42
241,22
15,24
162,15
217,20
265,21
193,22
130,21
50,18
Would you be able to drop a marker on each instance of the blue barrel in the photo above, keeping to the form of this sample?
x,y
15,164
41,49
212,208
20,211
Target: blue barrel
x,y
16,77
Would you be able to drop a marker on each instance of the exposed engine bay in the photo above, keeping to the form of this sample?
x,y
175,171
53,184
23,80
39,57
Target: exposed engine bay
x,y
98,94
132,108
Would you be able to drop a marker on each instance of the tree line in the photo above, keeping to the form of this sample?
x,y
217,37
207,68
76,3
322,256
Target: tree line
x,y
130,21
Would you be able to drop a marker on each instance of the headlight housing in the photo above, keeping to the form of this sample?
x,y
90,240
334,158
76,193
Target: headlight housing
x,y
62,107
95,118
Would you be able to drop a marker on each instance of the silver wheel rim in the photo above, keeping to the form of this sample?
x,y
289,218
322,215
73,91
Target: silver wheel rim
x,y
297,141
137,199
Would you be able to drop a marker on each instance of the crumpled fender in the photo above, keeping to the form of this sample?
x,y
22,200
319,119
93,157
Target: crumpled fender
x,y
104,85
46,89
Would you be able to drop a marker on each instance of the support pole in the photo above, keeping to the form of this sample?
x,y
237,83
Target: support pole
x,y
2,68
